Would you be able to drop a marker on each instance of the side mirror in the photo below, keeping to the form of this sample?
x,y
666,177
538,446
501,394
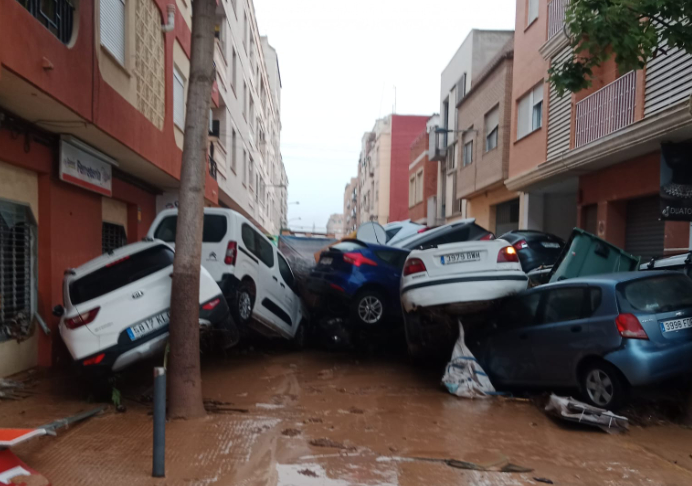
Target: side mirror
x,y
58,311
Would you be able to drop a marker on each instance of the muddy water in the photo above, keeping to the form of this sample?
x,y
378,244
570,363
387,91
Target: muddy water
x,y
335,420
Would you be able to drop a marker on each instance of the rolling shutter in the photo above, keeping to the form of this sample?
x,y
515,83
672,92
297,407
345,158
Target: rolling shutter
x,y
178,98
644,233
559,114
113,28
668,80
506,217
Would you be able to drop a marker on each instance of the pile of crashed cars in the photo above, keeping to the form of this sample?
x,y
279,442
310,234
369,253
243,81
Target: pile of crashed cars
x,y
536,311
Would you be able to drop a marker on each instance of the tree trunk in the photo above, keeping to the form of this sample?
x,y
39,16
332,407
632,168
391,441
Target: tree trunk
x,y
185,380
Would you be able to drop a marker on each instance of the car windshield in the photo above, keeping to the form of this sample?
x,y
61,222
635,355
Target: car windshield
x,y
392,231
454,233
662,293
215,226
120,273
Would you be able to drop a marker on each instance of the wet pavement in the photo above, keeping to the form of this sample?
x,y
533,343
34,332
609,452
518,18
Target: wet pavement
x,y
314,418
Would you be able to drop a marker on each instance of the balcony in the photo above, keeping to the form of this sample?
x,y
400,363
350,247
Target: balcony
x,y
556,17
606,111
213,171
57,16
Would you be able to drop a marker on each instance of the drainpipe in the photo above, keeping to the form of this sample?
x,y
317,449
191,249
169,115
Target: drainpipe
x,y
170,25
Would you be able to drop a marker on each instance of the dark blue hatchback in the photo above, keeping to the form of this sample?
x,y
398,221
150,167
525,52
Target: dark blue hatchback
x,y
361,279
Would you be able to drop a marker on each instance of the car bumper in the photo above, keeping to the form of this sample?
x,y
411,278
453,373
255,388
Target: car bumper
x,y
469,288
646,363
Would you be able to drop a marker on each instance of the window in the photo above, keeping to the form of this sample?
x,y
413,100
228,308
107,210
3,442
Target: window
x,y
258,245
252,173
530,111
451,157
516,312
112,237
233,151
17,262
655,294
492,123
285,271
412,191
244,167
562,305
178,98
391,232
419,186
393,257
249,239
234,70
246,35
468,153
244,99
532,11
213,229
113,17
107,279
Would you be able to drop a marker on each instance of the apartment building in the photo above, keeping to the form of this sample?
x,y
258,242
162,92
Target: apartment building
x,y
383,168
92,110
593,159
474,54
351,206
422,177
335,226
484,123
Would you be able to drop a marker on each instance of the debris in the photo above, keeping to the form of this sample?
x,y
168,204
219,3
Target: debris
x,y
356,411
464,376
14,471
58,424
308,472
324,442
313,420
464,465
12,390
543,480
291,432
575,411
17,327
12,437
513,468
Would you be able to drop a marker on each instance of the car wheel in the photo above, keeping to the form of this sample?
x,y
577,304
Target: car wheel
x,y
244,303
368,308
603,385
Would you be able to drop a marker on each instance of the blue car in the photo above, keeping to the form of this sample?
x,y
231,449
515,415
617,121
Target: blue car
x,y
360,279
602,334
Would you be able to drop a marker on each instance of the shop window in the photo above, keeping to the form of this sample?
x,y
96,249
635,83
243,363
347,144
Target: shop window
x,y
112,236
56,15
18,257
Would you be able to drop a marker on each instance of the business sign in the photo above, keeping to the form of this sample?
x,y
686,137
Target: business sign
x,y
85,167
676,181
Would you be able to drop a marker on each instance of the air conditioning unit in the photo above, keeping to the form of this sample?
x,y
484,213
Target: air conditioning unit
x,y
437,144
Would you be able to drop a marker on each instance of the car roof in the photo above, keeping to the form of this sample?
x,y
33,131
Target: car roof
x,y
519,233
433,231
672,261
611,278
115,255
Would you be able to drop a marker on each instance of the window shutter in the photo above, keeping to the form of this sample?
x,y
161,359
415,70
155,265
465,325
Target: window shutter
x,y
178,98
113,28
538,94
492,120
533,10
524,116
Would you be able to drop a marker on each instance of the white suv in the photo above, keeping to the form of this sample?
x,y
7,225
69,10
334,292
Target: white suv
x,y
253,274
116,307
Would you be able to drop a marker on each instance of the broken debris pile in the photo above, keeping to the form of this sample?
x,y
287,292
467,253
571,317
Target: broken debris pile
x,y
464,376
575,411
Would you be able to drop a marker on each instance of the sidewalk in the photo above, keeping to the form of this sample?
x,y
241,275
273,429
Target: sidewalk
x,y
325,419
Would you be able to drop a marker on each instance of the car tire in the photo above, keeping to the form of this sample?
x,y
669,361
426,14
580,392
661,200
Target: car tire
x,y
603,385
368,308
243,304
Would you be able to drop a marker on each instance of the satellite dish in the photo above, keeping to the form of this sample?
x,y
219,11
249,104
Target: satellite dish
x,y
372,233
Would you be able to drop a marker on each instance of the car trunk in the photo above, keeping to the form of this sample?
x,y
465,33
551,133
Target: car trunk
x,y
467,257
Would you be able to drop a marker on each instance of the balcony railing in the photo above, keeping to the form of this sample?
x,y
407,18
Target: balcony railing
x,y
56,15
213,172
556,17
606,111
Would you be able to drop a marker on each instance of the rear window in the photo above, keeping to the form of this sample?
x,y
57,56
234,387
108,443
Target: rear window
x,y
346,246
656,294
392,232
215,227
452,234
130,269
394,258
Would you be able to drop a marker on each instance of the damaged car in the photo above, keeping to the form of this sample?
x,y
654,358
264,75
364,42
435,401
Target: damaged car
x,y
116,307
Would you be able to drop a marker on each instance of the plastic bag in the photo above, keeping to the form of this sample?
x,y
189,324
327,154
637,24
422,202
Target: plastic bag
x,y
464,376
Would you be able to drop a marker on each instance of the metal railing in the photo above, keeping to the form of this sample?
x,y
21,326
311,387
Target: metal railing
x,y
213,171
56,15
607,110
556,17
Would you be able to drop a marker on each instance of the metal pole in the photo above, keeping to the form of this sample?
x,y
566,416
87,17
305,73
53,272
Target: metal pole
x,y
159,469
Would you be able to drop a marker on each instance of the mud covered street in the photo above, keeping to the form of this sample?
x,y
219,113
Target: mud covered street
x,y
315,418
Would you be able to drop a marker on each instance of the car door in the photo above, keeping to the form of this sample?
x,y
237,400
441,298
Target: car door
x,y
258,264
507,354
563,334
290,298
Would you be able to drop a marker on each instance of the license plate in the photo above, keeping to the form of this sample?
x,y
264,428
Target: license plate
x,y
148,326
467,256
676,325
548,244
326,261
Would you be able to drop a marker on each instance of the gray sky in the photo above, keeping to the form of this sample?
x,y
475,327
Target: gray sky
x,y
340,61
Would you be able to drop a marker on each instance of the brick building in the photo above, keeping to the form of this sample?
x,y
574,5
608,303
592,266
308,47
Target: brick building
x,y
422,175
351,206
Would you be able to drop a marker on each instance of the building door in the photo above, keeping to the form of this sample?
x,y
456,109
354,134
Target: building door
x,y
506,217
644,233
590,222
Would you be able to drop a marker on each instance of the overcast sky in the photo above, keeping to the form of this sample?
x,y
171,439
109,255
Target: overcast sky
x,y
340,61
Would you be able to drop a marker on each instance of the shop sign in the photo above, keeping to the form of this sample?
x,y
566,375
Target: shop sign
x,y
85,167
676,181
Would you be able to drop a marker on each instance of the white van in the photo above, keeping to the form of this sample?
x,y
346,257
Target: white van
x,y
254,276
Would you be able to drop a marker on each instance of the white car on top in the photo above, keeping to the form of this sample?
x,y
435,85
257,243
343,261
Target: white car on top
x,y
400,230
458,277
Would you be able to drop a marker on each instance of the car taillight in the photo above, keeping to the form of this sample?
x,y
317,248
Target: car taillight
x,y
82,319
630,327
521,245
94,360
488,237
358,259
507,255
231,253
120,260
414,265
423,230
211,304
